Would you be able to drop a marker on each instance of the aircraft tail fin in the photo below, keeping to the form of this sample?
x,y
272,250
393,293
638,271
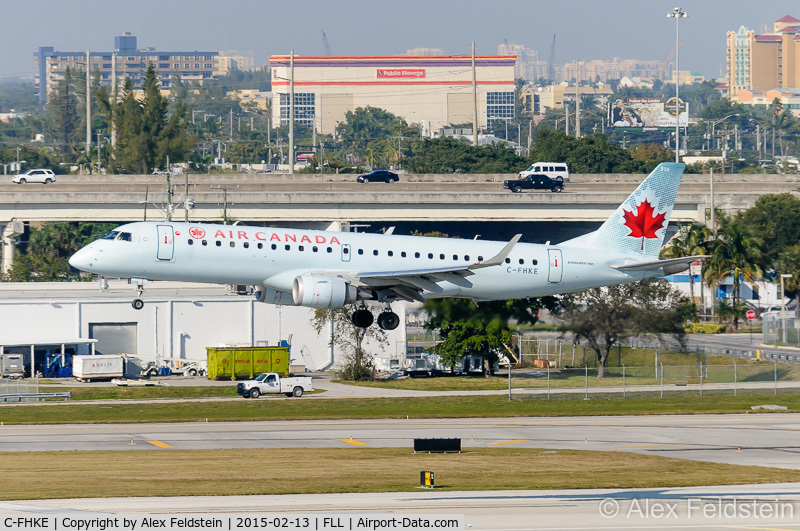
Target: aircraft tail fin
x,y
639,224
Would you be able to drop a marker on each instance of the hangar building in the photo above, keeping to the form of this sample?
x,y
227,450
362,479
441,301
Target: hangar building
x,y
178,322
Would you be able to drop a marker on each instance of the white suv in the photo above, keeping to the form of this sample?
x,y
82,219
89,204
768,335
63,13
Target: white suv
x,y
35,176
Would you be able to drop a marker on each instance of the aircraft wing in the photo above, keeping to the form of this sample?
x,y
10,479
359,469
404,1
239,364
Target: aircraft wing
x,y
658,264
409,284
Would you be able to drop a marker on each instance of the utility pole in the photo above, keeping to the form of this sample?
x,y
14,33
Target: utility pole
x,y
758,140
577,100
291,113
230,136
114,98
713,221
88,105
474,99
98,152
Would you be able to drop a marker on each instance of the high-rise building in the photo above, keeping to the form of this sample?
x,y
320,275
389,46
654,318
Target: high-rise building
x,y
764,62
125,61
528,66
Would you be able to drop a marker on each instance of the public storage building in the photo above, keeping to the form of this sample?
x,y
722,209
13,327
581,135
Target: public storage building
x,y
178,322
432,91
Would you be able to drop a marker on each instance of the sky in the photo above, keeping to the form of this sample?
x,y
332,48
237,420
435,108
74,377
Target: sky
x,y
585,29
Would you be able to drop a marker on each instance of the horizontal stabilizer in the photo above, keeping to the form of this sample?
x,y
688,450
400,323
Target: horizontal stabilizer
x,y
658,264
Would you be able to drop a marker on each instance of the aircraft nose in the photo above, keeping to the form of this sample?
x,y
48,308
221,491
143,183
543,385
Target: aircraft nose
x,y
84,259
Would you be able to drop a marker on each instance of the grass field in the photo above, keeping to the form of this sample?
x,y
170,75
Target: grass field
x,y
275,471
360,408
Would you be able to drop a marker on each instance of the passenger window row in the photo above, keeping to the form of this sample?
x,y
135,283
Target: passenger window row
x,y
346,250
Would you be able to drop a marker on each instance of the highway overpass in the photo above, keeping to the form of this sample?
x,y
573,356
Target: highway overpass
x,y
317,198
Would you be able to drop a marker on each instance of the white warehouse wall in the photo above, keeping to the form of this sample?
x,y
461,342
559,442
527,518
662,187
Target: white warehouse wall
x,y
178,320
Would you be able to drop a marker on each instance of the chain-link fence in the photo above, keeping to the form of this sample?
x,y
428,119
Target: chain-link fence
x,y
779,331
750,377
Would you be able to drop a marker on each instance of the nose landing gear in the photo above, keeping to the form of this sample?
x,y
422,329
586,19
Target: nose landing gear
x,y
138,303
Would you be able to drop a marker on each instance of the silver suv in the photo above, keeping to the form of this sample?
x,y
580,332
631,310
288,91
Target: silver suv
x,y
35,176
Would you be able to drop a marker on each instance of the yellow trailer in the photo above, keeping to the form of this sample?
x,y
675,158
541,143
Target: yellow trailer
x,y
245,363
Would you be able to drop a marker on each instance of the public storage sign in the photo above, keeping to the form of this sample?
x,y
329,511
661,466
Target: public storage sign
x,y
401,72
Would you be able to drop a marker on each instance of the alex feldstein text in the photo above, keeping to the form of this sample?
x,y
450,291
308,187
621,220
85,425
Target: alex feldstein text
x,y
231,522
698,509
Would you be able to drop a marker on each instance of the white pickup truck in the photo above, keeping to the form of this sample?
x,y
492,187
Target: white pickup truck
x,y
271,382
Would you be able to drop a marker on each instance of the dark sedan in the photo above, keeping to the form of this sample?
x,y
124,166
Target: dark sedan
x,y
378,176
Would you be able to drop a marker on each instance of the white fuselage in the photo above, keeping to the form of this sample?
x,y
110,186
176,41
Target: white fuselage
x,y
274,257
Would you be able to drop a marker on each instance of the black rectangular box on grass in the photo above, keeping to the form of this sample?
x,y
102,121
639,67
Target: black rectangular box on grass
x,y
437,445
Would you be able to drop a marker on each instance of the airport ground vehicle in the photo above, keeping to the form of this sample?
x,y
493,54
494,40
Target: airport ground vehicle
x,y
536,181
43,176
272,383
99,367
378,176
553,169
12,366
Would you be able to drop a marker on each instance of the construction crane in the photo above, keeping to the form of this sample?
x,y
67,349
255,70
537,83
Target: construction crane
x,y
325,43
551,67
670,56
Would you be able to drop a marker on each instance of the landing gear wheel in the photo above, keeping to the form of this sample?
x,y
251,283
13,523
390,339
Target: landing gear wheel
x,y
362,318
255,393
137,304
388,320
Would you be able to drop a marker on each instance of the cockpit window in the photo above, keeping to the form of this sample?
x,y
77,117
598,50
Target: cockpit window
x,y
111,235
124,236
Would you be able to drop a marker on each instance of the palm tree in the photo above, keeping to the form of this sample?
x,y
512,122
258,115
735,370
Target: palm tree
x,y
738,254
692,239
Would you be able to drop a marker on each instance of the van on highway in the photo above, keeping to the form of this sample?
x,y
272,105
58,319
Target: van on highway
x,y
552,169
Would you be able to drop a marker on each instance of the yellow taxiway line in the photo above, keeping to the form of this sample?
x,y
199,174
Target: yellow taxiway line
x,y
354,442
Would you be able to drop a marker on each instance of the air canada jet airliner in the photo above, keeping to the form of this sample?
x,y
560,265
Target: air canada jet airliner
x,y
322,269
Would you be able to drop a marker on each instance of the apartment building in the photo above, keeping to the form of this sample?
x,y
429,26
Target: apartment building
x,y
126,60
764,62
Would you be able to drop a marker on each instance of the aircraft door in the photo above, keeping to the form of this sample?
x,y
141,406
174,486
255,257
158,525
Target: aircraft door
x,y
345,252
166,242
556,268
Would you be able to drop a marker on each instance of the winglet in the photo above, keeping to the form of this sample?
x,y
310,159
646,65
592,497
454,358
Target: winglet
x,y
500,257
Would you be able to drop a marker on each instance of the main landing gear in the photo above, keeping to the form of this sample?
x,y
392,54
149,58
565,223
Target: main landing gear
x,y
387,319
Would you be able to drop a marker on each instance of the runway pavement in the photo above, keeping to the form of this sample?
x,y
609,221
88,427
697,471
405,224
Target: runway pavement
x,y
757,439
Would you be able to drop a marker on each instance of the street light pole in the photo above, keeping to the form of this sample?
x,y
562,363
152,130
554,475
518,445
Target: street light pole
x,y
783,309
677,14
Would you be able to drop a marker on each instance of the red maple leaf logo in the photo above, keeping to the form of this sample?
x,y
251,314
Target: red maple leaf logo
x,y
644,224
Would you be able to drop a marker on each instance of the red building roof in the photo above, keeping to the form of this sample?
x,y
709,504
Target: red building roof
x,y
787,18
768,38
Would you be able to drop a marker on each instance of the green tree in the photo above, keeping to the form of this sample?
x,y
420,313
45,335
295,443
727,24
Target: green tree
x,y
62,114
44,257
358,363
788,263
738,254
776,220
147,133
692,239
604,317
483,329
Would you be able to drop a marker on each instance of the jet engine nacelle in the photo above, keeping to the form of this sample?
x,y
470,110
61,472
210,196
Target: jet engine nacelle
x,y
271,296
318,291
